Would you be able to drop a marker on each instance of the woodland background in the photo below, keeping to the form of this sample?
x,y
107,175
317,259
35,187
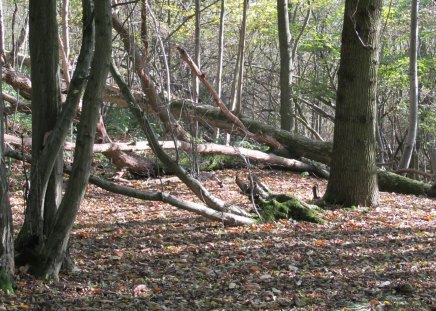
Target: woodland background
x,y
276,109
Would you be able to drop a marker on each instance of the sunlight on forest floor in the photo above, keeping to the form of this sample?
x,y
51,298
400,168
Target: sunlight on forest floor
x,y
137,255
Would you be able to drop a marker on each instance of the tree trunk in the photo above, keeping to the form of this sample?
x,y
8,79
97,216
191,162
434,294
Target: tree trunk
x,y
27,245
51,256
7,266
433,157
219,73
410,140
285,39
353,175
294,145
45,189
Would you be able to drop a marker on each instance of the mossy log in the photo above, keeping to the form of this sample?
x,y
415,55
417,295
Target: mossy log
x,y
432,192
391,182
283,206
6,282
270,206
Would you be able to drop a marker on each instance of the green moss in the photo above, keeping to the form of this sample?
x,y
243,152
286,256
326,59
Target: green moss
x,y
219,161
6,282
432,192
391,182
283,206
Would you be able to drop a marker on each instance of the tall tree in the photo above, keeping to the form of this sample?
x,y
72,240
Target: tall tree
x,y
410,141
286,104
38,227
353,179
52,254
219,73
238,76
6,238
46,183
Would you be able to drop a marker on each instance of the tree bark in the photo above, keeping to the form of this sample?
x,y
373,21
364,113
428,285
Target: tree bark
x,y
410,140
286,104
46,185
54,140
7,266
125,159
51,256
219,73
353,174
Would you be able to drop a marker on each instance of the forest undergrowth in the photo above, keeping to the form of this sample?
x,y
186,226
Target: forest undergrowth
x,y
138,255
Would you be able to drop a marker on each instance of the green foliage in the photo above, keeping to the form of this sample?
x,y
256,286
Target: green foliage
x,y
21,122
427,123
394,71
120,122
250,145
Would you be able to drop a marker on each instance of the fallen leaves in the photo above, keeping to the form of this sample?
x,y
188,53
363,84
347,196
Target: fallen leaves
x,y
136,255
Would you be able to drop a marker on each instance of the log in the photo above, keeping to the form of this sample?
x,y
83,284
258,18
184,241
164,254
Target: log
x,y
295,146
391,182
109,148
271,207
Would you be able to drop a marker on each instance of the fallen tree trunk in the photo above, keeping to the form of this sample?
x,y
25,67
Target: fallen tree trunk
x,y
113,151
391,182
295,146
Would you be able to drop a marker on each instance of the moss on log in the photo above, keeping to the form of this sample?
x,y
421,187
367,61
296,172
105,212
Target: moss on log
x,y
432,192
6,282
391,182
282,206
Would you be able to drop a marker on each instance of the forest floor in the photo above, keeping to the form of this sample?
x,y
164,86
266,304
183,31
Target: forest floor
x,y
138,255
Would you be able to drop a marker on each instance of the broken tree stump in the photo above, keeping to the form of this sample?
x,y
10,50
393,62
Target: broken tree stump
x,y
271,206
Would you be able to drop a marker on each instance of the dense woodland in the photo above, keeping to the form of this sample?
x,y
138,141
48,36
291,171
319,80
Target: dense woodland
x,y
105,92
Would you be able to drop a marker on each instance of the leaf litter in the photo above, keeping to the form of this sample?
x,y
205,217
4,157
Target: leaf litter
x,y
138,255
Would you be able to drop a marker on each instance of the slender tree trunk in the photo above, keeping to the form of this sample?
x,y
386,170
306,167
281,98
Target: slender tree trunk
x,y
66,27
7,266
53,252
238,78
433,157
238,74
144,31
219,74
353,175
410,141
286,103
43,197
196,81
29,243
